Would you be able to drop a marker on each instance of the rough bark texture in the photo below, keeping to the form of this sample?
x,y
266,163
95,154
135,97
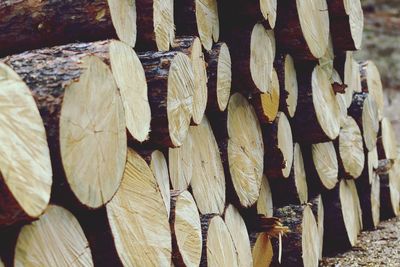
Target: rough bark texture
x,y
185,17
274,161
386,209
146,37
28,25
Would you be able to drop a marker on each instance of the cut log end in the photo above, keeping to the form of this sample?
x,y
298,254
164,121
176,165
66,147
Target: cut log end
x,y
159,167
291,86
63,237
310,241
370,122
245,150
262,251
123,16
285,143
163,23
93,135
25,168
372,84
349,201
264,202
224,77
268,10
325,161
139,202
300,174
207,22
356,20
180,164
389,142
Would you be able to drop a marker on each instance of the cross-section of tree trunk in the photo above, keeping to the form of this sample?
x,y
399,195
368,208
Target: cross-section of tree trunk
x,y
83,114
218,246
56,239
389,194
30,24
25,167
262,250
198,18
185,230
346,23
191,46
170,82
386,142
318,113
371,83
302,28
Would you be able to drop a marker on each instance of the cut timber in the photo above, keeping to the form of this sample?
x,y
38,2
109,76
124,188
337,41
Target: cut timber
x,y
56,239
138,201
295,186
327,60
208,180
180,164
25,167
371,83
387,143
155,24
284,66
302,28
266,104
264,202
346,23
83,114
218,246
170,82
390,194
321,166
185,230
26,25
317,208
219,75
253,52
300,247
365,112
340,98
191,46
237,229
350,150
341,217
278,143
262,251
198,18
318,114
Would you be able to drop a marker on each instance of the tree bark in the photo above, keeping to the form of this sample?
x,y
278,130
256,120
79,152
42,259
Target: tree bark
x,y
387,210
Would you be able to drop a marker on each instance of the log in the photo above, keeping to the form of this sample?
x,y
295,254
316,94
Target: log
x,y
302,28
256,10
267,104
349,149
56,239
317,116
278,141
317,207
170,82
340,98
185,230
321,167
218,246
197,18
386,142
27,25
219,75
240,237
327,60
191,46
88,159
21,198
113,241
364,111
389,198
371,83
346,24
341,217
262,250
284,66
155,24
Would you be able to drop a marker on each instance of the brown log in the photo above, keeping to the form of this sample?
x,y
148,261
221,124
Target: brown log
x,y
262,250
61,80
346,24
386,140
302,28
28,25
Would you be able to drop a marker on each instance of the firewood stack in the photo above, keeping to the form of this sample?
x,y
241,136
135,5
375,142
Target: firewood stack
x,y
189,133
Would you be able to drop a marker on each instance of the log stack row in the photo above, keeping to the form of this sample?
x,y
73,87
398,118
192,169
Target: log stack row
x,y
188,132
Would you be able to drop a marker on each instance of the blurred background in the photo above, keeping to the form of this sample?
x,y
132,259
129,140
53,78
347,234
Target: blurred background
x,y
382,45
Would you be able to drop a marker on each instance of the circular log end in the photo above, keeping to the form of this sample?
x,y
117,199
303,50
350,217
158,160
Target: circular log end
x,y
291,86
262,54
207,22
326,164
285,143
264,202
370,122
300,174
354,10
389,139
262,251
224,77
131,81
373,163
180,164
139,202
245,150
159,167
268,10
375,199
310,241
180,98
25,165
56,239
394,184
123,16
164,27
374,84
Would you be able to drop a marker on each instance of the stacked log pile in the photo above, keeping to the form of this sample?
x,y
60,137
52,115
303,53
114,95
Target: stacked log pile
x,y
211,133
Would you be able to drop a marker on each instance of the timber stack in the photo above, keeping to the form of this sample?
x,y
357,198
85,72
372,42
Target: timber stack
x,y
189,133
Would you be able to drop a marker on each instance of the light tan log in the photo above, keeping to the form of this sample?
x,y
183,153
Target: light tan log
x,y
238,231
371,83
390,192
386,143
346,23
197,18
83,114
302,28
340,98
219,75
25,167
264,202
170,82
262,250
185,230
180,164
56,239
218,247
191,46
